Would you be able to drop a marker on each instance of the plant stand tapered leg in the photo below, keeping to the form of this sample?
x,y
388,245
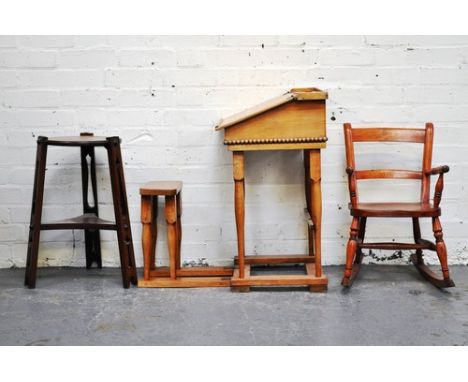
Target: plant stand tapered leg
x,y
122,219
36,214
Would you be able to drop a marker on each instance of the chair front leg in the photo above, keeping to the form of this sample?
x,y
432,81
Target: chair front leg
x,y
441,249
417,238
351,251
361,235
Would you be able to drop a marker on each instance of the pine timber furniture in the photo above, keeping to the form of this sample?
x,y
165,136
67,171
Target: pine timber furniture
x,y
90,221
173,276
423,209
292,121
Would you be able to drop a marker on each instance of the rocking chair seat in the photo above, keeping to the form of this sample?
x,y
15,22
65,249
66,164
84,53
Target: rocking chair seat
x,y
394,210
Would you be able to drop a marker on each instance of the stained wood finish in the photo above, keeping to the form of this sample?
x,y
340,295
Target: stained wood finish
x,y
295,121
388,135
179,228
173,276
276,259
418,239
186,282
193,272
274,280
394,210
429,275
122,216
85,139
388,174
394,245
291,121
36,213
162,187
295,94
361,211
239,206
172,234
90,222
88,173
154,231
316,207
146,233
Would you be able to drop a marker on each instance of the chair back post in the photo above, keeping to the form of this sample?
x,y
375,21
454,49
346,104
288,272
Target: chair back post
x,y
427,162
351,164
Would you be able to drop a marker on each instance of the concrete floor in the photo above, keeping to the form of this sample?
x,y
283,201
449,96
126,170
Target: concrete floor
x,y
388,305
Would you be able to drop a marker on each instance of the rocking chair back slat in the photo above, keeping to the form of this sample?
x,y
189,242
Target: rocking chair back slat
x,y
387,134
388,174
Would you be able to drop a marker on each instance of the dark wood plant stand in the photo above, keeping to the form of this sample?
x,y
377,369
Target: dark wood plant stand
x,y
90,221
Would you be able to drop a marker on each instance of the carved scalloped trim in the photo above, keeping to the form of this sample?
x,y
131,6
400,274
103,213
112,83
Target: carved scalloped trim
x,y
274,140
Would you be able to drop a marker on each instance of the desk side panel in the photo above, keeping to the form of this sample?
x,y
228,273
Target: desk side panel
x,y
294,120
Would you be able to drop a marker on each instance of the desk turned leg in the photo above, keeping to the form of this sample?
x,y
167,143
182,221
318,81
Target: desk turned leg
x,y
146,233
171,219
316,206
239,203
310,231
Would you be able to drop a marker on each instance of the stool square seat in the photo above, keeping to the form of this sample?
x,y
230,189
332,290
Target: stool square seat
x,y
161,187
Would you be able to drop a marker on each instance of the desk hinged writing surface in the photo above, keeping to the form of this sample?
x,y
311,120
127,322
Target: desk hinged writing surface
x,y
292,121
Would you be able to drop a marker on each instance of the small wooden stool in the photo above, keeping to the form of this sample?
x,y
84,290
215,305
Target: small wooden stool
x,y
173,276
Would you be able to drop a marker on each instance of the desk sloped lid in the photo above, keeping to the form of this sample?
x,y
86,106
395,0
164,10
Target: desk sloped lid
x,y
295,94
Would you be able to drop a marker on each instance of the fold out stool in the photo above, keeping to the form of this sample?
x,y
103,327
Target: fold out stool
x,y
90,221
173,276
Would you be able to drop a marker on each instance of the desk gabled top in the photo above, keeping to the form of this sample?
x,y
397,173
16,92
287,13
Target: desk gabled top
x,y
295,94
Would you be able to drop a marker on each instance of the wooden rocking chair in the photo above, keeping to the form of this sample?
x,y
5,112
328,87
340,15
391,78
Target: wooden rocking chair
x,y
361,211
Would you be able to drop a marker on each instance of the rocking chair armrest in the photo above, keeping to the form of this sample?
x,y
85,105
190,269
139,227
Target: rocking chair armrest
x,y
439,186
350,171
438,170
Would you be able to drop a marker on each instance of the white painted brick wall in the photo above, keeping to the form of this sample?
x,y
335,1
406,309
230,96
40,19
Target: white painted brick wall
x,y
163,95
